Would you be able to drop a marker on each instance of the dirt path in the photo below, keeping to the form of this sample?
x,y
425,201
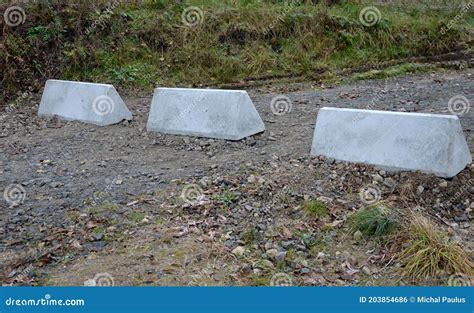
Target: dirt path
x,y
104,199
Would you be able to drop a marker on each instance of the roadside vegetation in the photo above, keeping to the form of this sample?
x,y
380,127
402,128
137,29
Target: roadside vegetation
x,y
426,251
143,44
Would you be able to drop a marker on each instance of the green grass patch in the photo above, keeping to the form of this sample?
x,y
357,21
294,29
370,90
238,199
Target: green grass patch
x,y
393,71
315,208
249,236
374,221
136,217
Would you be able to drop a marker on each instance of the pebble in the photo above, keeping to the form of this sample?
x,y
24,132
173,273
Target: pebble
x,y
358,235
420,190
272,253
238,251
281,256
98,236
389,182
268,246
378,178
263,264
366,270
55,184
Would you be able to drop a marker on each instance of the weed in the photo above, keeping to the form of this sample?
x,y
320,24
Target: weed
x,y
102,207
228,197
315,208
136,217
374,221
249,236
426,252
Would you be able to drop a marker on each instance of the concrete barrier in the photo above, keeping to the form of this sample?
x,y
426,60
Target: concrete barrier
x,y
430,143
98,104
223,114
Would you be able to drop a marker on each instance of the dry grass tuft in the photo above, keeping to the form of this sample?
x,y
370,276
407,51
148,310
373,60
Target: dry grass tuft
x,y
426,252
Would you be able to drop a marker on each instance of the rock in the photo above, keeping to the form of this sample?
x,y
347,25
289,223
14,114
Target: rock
x,y
366,270
281,256
98,236
269,245
346,255
461,218
321,255
238,251
98,104
224,114
263,264
378,178
358,235
252,179
390,182
55,184
419,190
272,253
456,239
443,184
430,143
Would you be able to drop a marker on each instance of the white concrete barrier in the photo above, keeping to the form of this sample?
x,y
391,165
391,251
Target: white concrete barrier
x,y
430,143
98,104
224,114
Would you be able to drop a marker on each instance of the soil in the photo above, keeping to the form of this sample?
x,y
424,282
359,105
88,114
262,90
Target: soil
x,y
156,209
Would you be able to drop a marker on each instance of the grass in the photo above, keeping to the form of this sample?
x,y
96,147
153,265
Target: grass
x,y
375,221
249,236
136,217
426,252
98,209
315,208
148,45
393,71
229,198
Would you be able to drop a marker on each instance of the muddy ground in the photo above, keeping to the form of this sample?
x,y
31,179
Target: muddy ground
x,y
110,200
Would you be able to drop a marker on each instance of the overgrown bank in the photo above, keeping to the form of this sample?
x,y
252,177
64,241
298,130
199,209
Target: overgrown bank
x,y
159,42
